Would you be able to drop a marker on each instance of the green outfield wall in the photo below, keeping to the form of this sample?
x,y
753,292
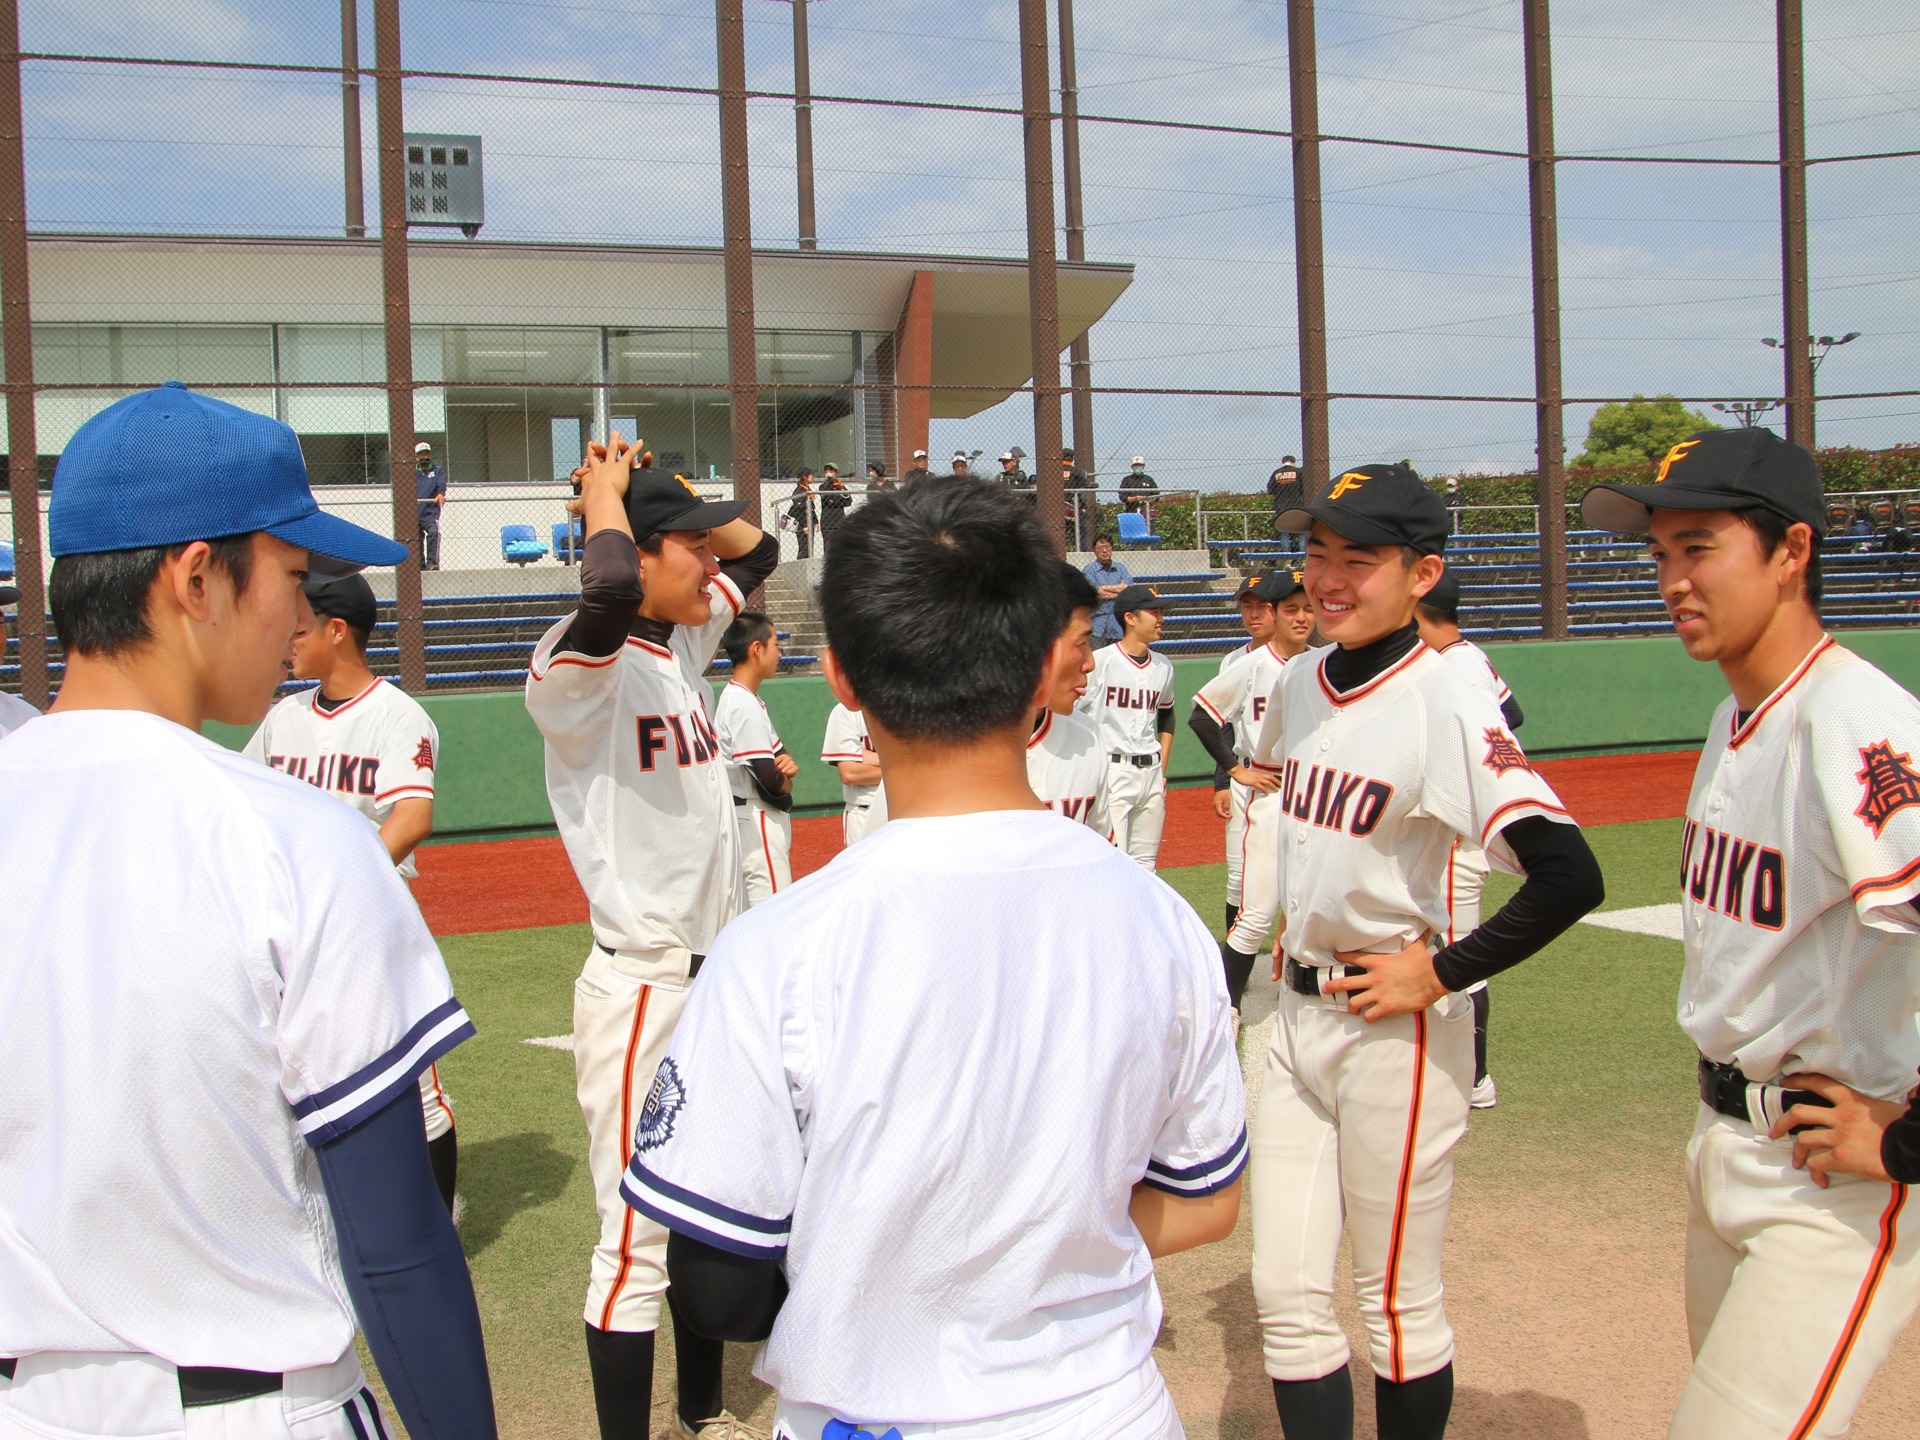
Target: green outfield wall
x,y
1580,697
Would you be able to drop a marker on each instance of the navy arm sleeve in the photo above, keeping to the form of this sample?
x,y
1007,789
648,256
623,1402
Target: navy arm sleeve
x,y
1511,712
721,1295
1563,883
1218,740
609,595
406,1274
771,784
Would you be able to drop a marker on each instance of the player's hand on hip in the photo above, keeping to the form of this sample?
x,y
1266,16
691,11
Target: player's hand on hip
x,y
1399,983
1223,804
1844,1140
1265,782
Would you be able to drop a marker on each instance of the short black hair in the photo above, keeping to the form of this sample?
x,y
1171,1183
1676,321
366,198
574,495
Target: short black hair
x,y
1098,538
99,601
1439,612
1080,593
749,628
1770,529
941,602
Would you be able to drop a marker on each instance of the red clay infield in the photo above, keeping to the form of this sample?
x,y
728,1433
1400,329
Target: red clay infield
x,y
512,884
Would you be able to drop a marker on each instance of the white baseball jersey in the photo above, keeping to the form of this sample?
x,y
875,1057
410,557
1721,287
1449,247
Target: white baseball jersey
x,y
374,751
14,712
846,738
746,732
1233,655
1238,695
1800,855
1473,663
1376,784
1068,770
255,979
638,787
1124,697
972,1256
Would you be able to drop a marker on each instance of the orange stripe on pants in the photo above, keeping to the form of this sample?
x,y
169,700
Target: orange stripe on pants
x,y
1390,1298
626,1128
1876,1268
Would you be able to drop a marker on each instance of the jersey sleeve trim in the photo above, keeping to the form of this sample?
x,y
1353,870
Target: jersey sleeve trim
x,y
1211,709
399,790
730,593
1905,876
332,1112
834,757
1513,809
686,1213
1205,1178
585,662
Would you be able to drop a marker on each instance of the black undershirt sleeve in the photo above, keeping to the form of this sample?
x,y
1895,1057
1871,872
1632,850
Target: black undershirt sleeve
x,y
1900,1146
1563,882
609,595
1164,721
749,572
766,779
1217,740
721,1295
1511,712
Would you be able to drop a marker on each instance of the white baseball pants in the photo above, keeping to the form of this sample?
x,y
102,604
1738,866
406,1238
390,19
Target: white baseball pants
x,y
766,846
1260,887
123,1394
1236,838
1357,1124
1137,806
624,1011
1795,1294
861,821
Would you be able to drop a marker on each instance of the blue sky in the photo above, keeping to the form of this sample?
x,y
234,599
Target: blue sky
x,y
1670,272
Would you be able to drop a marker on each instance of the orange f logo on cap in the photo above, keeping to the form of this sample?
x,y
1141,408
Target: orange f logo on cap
x,y
1674,456
1352,480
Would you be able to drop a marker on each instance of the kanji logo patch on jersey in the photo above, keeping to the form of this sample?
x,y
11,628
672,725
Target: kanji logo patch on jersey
x,y
1890,782
1504,753
664,1101
423,756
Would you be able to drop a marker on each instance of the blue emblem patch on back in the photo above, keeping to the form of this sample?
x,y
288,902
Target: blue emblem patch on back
x,y
664,1101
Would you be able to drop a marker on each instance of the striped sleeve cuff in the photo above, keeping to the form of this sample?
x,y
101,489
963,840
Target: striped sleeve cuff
x,y
1204,1178
707,1221
330,1113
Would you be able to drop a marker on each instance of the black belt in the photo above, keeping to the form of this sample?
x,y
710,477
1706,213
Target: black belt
x,y
206,1384
1307,979
740,800
1724,1088
1139,762
692,970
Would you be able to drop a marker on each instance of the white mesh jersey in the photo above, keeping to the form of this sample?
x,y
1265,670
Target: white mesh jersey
x,y
1473,663
1800,854
254,980
954,1232
638,788
1233,655
374,751
1124,697
746,733
1068,770
1239,694
14,712
1376,785
846,738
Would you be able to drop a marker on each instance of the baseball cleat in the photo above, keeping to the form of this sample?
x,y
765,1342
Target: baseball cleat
x,y
1485,1094
724,1426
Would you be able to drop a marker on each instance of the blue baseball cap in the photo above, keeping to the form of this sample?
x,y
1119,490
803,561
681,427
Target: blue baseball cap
x,y
168,467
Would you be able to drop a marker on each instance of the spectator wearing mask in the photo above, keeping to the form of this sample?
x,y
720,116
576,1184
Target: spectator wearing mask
x,y
834,500
1138,489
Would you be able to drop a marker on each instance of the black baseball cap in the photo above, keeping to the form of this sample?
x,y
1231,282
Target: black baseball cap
x,y
657,504
8,595
1273,587
1376,505
1444,596
1137,597
343,597
1741,469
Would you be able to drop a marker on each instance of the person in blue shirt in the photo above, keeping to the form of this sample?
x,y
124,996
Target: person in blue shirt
x,y
430,489
1109,577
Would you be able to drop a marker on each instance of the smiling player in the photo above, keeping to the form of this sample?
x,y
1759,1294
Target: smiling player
x,y
1065,764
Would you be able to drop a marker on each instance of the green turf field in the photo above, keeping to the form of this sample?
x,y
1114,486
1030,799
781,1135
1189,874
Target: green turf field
x,y
1585,1050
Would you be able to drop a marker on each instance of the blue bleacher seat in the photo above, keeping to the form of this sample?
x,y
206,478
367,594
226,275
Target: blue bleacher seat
x,y
567,542
1133,530
6,561
520,545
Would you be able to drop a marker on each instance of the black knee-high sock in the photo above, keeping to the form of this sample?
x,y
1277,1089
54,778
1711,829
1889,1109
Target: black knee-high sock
x,y
698,1362
1414,1409
1482,1011
444,1155
1239,970
1316,1409
1233,916
621,1362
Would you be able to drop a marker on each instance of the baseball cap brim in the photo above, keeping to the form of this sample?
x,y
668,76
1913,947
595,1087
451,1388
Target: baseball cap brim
x,y
706,515
336,547
9,595
1344,523
1628,509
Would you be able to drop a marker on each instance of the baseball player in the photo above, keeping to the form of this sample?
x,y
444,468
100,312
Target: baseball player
x,y
1386,757
1438,616
848,747
1229,798
913,1210
1065,765
214,1158
14,712
1227,715
644,804
372,745
1129,700
1800,874
758,765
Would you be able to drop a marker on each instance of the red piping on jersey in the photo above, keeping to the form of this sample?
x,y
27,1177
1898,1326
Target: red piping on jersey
x,y
626,1131
1218,717
1894,881
386,795
1850,1332
728,593
342,709
1137,664
1545,807
1419,649
1397,1361
766,848
1745,732
1046,724
595,663
650,647
1453,857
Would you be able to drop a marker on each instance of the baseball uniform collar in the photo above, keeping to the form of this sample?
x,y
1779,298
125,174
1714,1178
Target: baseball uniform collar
x,y
1743,733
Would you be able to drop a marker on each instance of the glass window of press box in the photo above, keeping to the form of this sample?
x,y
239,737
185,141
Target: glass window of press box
x,y
500,404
